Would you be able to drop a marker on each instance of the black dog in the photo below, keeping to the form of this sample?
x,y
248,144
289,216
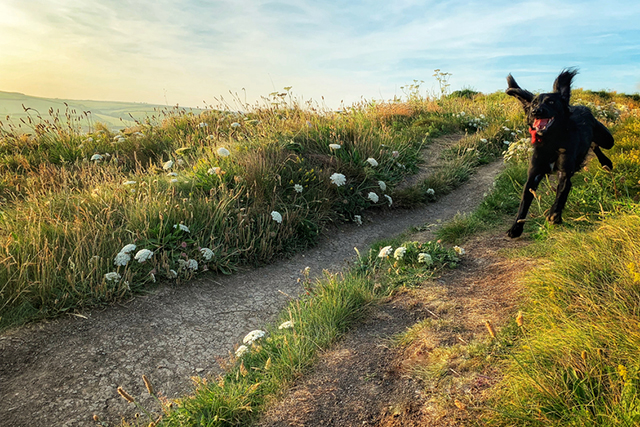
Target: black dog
x,y
561,135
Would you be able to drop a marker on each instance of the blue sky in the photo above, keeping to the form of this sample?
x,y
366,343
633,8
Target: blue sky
x,y
192,51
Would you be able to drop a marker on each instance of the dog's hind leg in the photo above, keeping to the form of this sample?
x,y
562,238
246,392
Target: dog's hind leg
x,y
604,160
564,186
535,176
601,136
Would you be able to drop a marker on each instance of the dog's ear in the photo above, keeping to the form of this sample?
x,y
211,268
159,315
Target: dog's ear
x,y
562,85
524,96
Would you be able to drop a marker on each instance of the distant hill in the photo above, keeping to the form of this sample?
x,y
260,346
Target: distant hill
x,y
114,114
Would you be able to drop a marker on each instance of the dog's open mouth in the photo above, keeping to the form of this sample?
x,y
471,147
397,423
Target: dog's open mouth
x,y
539,126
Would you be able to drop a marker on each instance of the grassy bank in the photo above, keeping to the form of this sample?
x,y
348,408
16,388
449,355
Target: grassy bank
x,y
86,219
574,361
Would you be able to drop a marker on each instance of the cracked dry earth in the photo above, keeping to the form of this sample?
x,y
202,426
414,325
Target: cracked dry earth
x,y
62,372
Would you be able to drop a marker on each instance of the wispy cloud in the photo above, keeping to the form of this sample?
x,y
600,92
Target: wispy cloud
x,y
196,50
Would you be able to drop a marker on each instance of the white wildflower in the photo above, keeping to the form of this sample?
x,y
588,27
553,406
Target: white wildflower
x,y
395,154
253,336
298,188
431,191
214,170
128,248
338,179
96,157
373,197
88,139
382,185
143,255
202,125
122,259
172,274
167,165
425,258
173,181
459,250
223,152
389,199
399,253
241,350
112,276
286,325
182,227
335,146
235,125
192,265
357,219
153,277
372,162
207,253
172,174
385,252
128,182
483,140
275,215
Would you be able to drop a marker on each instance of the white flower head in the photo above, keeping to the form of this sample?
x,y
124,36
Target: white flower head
x,y
207,253
167,165
425,258
372,162
298,188
143,255
112,276
235,125
399,253
253,336
338,179
389,199
172,174
335,146
241,350
223,152
128,248
382,185
202,125
128,183
357,219
385,252
275,215
173,181
172,274
121,259
459,250
431,191
88,139
192,265
286,325
182,227
96,157
214,170
373,197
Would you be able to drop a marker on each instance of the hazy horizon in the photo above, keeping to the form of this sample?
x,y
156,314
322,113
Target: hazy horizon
x,y
193,52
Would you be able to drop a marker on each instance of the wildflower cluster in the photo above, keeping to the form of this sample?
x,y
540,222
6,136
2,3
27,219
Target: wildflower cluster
x,y
419,254
473,123
518,151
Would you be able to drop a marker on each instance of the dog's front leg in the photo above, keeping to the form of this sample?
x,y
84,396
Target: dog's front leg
x,y
564,186
535,176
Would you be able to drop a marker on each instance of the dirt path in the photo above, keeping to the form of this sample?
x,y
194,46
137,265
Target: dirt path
x,y
366,380
60,373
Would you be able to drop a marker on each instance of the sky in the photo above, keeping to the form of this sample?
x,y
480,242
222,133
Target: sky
x,y
196,52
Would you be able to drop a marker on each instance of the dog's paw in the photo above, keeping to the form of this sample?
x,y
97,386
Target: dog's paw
x,y
515,230
555,218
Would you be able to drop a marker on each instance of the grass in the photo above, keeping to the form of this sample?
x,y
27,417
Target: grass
x,y
65,217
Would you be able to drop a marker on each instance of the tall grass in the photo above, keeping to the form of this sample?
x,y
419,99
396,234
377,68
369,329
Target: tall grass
x,y
180,184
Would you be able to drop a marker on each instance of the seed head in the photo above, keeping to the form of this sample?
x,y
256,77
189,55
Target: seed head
x,y
583,354
125,395
489,326
148,384
520,319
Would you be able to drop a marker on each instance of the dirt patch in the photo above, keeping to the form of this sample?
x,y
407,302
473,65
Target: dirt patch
x,y
62,372
366,380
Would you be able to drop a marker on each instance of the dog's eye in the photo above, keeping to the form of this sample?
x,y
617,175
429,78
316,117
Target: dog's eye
x,y
551,102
